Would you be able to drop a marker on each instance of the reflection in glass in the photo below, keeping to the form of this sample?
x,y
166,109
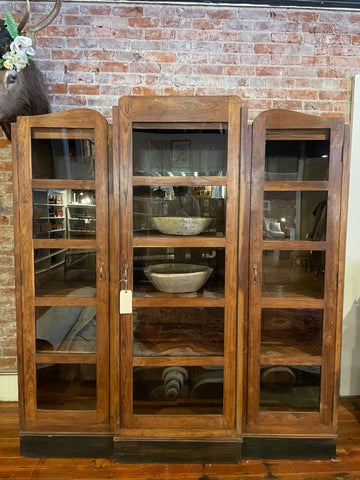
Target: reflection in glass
x,y
180,270
187,210
178,331
66,386
65,329
289,160
180,152
68,155
287,331
298,273
178,390
295,215
59,213
294,388
65,271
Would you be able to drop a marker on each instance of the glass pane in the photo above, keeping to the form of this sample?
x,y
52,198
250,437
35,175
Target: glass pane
x,y
294,388
68,154
66,386
64,213
297,160
82,214
295,216
65,271
179,270
179,210
181,149
296,273
49,213
291,332
178,390
65,329
178,331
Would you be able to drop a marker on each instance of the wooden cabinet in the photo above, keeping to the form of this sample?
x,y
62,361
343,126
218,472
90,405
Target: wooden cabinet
x,y
201,314
62,312
176,354
295,299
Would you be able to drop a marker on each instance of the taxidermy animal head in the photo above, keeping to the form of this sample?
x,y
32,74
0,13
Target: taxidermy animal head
x,y
22,88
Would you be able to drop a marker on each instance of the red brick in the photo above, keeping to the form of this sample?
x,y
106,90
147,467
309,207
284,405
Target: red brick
x,y
286,38
161,57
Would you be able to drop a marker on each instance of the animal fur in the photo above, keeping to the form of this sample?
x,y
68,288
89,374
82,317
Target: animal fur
x,y
26,96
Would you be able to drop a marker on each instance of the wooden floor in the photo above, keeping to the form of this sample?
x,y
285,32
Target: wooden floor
x,y
346,465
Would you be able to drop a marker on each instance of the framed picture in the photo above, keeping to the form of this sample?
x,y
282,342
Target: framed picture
x,y
266,207
181,156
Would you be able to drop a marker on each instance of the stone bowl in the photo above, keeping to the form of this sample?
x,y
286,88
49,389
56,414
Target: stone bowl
x,y
178,277
181,225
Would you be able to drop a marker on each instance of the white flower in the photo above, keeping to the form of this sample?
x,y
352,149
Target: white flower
x,y
16,60
22,46
8,65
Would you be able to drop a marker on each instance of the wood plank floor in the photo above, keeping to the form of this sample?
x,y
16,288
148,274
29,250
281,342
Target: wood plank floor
x,y
346,465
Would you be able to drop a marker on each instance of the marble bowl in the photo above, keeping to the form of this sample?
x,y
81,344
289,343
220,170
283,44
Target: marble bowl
x,y
178,277
181,225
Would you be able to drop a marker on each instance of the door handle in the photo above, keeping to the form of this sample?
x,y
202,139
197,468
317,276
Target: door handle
x,y
101,272
255,273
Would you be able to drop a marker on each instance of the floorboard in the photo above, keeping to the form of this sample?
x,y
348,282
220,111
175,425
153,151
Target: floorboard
x,y
346,465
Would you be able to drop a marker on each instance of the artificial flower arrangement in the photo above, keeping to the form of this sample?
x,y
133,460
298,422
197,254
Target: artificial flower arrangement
x,y
21,46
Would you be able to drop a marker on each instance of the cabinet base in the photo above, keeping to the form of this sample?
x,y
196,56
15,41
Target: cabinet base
x,y
289,448
176,451
67,446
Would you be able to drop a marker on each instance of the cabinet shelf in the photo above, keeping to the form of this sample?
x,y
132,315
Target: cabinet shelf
x,y
139,180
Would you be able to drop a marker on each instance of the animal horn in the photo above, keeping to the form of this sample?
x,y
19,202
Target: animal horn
x,y
46,21
25,18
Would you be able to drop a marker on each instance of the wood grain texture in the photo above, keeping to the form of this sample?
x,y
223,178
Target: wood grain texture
x,y
346,464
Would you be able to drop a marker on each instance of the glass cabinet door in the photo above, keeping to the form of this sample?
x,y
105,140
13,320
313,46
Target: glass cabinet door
x,y
178,180
296,191
63,261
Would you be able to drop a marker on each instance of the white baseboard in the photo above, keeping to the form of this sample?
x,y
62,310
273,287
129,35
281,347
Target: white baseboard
x,y
8,387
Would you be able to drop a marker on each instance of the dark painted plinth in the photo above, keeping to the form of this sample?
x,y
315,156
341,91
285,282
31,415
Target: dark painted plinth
x,y
67,446
125,450
289,448
174,451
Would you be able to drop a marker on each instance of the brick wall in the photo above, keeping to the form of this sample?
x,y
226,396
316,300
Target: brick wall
x,y
7,280
95,52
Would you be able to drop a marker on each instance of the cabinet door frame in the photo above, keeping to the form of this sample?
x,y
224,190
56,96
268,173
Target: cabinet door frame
x,y
32,418
280,124
170,109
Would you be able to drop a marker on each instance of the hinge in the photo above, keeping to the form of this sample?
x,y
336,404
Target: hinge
x,y
17,152
21,278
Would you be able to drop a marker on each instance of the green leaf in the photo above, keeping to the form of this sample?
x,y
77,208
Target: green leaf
x,y
10,24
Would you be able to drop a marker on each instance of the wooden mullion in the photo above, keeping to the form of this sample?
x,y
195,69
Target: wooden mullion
x,y
64,243
186,242
270,302
293,245
63,184
255,269
296,186
27,267
58,301
161,301
331,270
190,361
65,358
180,180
